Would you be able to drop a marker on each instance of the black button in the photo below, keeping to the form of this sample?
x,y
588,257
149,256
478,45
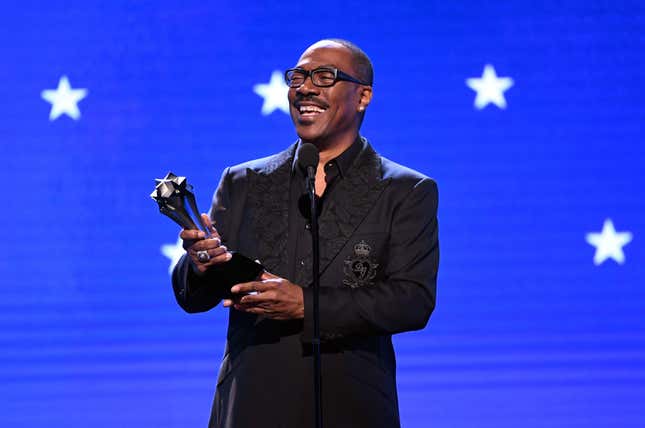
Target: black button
x,y
307,226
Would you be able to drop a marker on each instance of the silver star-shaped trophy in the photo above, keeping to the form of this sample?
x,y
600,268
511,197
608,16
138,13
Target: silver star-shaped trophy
x,y
174,194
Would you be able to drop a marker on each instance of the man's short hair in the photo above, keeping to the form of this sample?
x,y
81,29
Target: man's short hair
x,y
360,59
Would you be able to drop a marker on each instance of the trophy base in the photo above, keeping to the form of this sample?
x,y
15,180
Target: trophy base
x,y
235,271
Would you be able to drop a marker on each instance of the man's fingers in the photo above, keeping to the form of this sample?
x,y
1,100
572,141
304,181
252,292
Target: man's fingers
x,y
248,287
259,298
206,244
191,234
250,309
268,275
221,258
209,224
207,220
212,251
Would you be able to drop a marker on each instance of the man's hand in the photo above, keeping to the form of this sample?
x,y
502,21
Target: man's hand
x,y
195,241
276,298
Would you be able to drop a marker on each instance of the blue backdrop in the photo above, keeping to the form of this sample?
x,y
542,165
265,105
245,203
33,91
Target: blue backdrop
x,y
528,114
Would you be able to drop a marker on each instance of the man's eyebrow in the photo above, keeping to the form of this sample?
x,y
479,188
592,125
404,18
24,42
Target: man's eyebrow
x,y
320,66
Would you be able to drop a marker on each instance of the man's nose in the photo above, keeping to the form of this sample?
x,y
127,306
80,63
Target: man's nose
x,y
307,87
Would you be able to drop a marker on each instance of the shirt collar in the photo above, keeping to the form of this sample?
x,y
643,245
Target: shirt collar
x,y
343,161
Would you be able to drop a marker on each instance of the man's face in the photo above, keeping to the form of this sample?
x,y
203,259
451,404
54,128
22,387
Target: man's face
x,y
326,115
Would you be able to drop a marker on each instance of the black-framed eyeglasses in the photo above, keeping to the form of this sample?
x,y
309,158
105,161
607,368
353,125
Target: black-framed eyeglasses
x,y
323,77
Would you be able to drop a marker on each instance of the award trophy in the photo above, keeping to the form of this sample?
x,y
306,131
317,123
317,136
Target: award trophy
x,y
173,193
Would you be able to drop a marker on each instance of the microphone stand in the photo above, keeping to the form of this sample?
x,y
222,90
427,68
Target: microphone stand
x,y
311,190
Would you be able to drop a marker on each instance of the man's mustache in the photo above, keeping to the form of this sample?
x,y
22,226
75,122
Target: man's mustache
x,y
310,99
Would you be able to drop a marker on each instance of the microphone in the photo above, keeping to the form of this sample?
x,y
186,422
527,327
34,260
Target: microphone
x,y
308,157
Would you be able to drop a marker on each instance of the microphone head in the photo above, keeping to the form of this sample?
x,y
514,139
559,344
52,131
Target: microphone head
x,y
308,156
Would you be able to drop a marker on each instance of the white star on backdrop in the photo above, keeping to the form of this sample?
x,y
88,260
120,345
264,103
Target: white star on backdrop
x,y
64,99
489,88
173,252
609,243
274,94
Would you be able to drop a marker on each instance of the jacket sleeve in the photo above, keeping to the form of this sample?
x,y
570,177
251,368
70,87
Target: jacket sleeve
x,y
406,296
195,291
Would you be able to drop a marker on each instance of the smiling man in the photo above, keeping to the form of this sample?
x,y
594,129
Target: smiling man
x,y
379,258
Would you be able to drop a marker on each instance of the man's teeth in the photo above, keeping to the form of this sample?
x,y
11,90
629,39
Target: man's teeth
x,y
311,109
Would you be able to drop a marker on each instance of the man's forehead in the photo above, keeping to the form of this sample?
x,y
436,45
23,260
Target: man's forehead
x,y
326,52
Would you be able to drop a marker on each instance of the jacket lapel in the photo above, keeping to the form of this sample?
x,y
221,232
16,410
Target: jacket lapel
x,y
268,199
350,202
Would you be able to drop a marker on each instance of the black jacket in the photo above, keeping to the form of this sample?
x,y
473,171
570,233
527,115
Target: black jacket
x,y
379,260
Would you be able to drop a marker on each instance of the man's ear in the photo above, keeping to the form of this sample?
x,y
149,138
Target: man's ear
x,y
366,97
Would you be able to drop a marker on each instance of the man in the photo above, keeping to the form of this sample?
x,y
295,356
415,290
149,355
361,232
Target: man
x,y
378,261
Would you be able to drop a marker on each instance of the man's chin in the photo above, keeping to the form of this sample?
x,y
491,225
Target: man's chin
x,y
308,133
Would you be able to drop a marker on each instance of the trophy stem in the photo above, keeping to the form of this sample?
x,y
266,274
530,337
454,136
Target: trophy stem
x,y
193,206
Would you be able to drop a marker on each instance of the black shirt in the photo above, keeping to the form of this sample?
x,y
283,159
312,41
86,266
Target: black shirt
x,y
299,238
